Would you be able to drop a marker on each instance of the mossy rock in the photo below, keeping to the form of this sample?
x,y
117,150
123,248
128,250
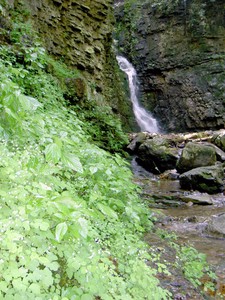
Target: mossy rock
x,y
196,155
204,179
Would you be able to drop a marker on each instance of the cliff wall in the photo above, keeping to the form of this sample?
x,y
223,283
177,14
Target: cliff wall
x,y
178,49
80,33
77,31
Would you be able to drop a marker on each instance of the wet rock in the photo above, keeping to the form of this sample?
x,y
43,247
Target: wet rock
x,y
217,225
170,175
196,155
204,179
137,140
76,89
219,139
157,155
220,154
202,199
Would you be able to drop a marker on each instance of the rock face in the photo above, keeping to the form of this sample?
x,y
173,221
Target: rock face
x,y
76,30
80,33
178,49
193,158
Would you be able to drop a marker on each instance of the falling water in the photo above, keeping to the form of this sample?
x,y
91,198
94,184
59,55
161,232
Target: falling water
x,y
144,119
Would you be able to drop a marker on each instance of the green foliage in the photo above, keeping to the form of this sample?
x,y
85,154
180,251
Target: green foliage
x,y
194,265
127,27
187,259
103,126
165,6
71,220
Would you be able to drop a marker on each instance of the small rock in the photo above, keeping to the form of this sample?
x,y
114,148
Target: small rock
x,y
197,199
217,225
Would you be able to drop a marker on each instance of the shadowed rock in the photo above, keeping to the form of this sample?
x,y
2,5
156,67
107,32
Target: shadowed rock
x,y
157,155
204,179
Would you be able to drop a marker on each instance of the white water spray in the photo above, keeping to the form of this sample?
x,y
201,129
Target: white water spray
x,y
144,119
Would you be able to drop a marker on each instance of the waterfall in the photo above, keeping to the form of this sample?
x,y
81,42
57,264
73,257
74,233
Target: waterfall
x,y
144,119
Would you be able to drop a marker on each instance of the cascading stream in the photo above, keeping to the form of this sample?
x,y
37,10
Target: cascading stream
x,y
144,119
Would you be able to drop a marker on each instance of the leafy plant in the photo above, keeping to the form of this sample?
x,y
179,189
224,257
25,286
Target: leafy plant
x,y
71,219
194,265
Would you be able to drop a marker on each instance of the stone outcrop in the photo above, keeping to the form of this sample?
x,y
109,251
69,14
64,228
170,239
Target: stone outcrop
x,y
77,31
204,179
191,158
178,49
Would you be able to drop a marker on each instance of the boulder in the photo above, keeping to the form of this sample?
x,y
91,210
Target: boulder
x,y
204,179
220,154
136,141
219,139
217,225
201,199
157,155
196,155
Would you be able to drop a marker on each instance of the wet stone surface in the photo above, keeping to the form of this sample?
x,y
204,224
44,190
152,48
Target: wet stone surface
x,y
179,211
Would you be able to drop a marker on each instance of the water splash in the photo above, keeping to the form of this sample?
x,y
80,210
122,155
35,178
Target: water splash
x,y
144,119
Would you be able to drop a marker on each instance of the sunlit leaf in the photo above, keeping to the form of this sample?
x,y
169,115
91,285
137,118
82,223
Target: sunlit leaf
x,y
29,103
106,210
71,161
53,153
83,227
60,231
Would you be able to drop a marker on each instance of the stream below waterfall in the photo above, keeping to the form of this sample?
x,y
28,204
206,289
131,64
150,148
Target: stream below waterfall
x,y
188,221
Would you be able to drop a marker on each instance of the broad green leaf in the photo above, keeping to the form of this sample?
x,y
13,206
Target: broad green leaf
x,y
83,227
93,169
60,231
29,103
107,211
11,114
53,153
3,286
35,288
71,161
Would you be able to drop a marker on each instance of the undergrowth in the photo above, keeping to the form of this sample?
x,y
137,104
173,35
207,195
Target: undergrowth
x,y
71,219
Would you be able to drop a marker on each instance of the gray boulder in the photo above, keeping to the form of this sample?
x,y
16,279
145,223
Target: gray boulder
x,y
217,225
196,155
220,154
204,179
157,154
201,199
